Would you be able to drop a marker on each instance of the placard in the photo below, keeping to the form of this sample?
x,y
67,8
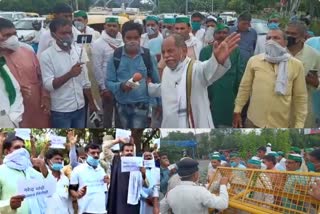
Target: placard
x,y
57,142
121,133
23,133
129,164
31,188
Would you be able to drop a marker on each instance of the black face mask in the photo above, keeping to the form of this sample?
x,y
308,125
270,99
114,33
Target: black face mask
x,y
291,41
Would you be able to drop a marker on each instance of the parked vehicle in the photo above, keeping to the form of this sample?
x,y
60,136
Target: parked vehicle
x,y
13,16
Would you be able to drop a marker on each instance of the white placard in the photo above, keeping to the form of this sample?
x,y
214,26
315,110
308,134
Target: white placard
x,y
36,187
121,133
129,164
23,133
57,142
157,141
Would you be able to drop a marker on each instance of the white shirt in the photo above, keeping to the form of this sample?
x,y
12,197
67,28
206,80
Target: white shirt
x,y
283,163
60,199
187,197
55,63
94,201
10,115
34,36
46,40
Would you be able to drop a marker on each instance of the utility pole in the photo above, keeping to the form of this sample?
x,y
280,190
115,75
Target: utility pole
x,y
187,7
212,6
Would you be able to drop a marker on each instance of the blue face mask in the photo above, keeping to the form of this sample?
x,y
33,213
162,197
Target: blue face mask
x,y
56,166
233,164
92,161
273,26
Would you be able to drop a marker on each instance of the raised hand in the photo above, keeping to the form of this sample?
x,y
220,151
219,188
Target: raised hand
x,y
223,50
72,138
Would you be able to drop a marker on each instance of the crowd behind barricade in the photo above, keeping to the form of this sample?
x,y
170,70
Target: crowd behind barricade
x,y
83,180
182,189
174,72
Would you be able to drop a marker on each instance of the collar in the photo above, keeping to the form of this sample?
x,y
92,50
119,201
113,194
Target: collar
x,y
91,167
237,29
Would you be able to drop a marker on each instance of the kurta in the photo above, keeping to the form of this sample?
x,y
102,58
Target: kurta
x,y
222,93
266,108
27,73
118,191
12,113
311,60
203,75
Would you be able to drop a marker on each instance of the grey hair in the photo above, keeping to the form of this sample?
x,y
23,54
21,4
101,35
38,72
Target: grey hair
x,y
178,40
284,35
301,26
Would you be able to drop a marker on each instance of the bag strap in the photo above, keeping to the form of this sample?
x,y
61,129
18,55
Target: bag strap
x,y
117,57
188,95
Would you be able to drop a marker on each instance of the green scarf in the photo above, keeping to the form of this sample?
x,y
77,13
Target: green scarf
x,y
7,81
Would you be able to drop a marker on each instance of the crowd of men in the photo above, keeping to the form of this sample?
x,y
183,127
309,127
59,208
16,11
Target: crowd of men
x,y
175,72
88,180
181,190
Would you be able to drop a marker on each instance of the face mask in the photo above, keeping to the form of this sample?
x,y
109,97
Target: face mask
x,y
195,26
291,41
132,46
233,164
12,43
273,25
274,49
92,161
208,37
65,42
56,166
151,31
79,25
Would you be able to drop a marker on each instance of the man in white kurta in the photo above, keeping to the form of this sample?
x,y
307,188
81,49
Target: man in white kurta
x,y
11,104
194,45
173,87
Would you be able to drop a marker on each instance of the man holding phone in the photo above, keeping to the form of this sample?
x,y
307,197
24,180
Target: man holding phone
x,y
310,58
65,75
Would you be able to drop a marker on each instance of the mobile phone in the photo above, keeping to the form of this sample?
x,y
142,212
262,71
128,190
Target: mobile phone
x,y
84,39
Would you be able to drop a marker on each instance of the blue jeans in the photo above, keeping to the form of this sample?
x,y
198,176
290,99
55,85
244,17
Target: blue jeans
x,y
133,115
75,119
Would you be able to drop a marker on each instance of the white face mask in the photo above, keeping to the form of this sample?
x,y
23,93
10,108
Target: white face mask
x,y
208,37
12,43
